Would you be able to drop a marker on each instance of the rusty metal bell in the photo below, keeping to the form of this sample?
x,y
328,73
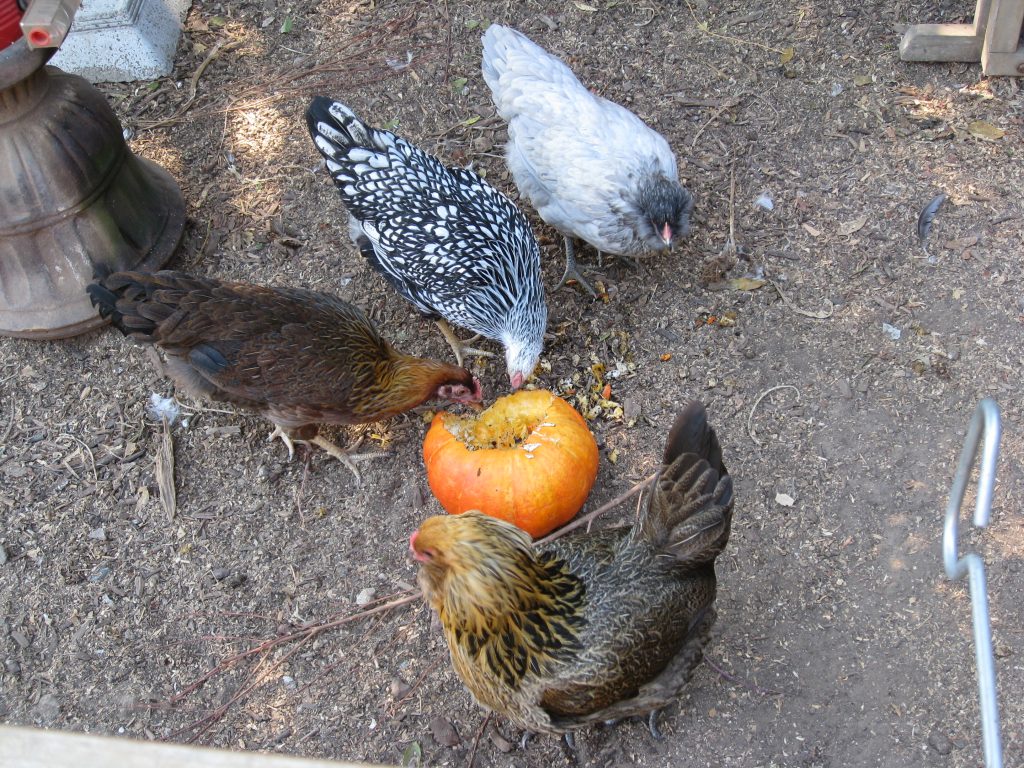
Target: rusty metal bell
x,y
74,200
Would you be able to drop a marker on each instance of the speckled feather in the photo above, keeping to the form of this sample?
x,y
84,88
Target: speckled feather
x,y
298,356
624,638
590,167
443,237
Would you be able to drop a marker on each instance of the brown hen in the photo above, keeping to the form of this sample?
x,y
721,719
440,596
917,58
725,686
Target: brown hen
x,y
592,627
301,358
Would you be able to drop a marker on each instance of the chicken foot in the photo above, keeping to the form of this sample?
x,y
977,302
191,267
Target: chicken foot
x,y
571,272
460,347
346,457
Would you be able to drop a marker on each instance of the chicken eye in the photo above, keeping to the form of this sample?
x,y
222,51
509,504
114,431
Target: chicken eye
x,y
429,553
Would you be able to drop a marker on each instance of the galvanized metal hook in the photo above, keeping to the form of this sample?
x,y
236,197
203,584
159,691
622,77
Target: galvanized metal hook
x,y
985,429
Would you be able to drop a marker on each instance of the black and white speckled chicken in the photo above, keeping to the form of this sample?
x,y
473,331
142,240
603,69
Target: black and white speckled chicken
x,y
449,242
591,168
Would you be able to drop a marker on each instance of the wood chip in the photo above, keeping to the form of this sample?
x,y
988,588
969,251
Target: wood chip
x,y
165,473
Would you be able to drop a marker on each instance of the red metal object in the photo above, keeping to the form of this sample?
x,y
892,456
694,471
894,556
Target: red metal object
x,y
10,20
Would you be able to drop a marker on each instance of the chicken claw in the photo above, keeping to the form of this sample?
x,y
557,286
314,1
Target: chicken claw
x,y
571,273
346,457
285,438
459,347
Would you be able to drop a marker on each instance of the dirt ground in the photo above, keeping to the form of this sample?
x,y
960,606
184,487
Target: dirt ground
x,y
843,643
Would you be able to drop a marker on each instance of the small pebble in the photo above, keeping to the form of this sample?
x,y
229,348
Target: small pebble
x,y
444,732
47,710
12,667
844,389
3,555
221,573
939,741
99,574
399,688
630,410
98,534
366,596
289,682
892,331
499,741
236,580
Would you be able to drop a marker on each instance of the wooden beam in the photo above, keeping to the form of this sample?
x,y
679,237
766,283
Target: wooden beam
x,y
947,42
35,748
1002,53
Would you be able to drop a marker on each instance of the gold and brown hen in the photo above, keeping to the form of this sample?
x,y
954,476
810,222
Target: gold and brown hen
x,y
299,357
592,627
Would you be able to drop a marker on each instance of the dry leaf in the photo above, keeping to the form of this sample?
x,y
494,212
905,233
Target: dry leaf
x,y
787,56
861,80
961,244
812,231
585,7
784,499
853,226
746,283
666,357
983,130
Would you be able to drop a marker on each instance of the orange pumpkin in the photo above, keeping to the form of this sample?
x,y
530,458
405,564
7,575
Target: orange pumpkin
x,y
529,459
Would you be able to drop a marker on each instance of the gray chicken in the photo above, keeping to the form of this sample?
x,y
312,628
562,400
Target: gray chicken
x,y
591,168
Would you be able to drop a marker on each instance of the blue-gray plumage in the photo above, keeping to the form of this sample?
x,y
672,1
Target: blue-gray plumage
x,y
592,168
446,240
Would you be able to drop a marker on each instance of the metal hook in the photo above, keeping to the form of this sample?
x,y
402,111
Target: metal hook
x,y
985,429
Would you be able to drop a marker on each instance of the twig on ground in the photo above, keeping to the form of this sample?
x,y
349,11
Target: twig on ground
x,y
397,705
740,681
703,27
262,650
476,739
10,424
750,418
599,511
92,459
819,315
165,472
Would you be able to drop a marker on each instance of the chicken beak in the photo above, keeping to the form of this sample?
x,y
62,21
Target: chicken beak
x,y
666,235
516,380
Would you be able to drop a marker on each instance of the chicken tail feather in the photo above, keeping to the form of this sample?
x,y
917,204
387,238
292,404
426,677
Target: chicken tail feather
x,y
139,304
690,511
336,130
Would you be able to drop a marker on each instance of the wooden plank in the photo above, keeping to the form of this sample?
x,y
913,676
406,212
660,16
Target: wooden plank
x,y
941,42
1002,53
1003,33
35,748
947,42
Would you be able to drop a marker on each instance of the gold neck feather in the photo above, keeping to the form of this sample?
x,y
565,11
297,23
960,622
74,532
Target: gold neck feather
x,y
513,612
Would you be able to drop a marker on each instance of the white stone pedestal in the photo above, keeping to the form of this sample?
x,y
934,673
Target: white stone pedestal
x,y
118,40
